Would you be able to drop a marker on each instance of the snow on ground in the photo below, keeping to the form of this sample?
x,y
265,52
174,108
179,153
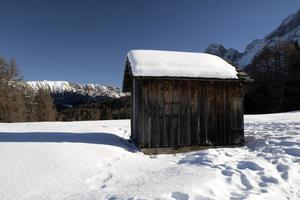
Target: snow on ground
x,y
93,160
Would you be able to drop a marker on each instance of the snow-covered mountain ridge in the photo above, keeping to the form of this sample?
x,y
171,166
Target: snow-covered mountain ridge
x,y
288,30
84,89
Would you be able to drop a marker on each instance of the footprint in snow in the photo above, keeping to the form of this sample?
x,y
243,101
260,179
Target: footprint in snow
x,y
228,154
293,152
283,169
263,191
180,196
246,182
262,184
269,179
226,172
285,175
99,181
249,165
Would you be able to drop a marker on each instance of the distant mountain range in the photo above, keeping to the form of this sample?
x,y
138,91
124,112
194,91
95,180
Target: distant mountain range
x,y
288,30
68,95
92,90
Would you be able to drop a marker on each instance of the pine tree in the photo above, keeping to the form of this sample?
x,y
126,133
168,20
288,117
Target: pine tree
x,y
276,71
45,109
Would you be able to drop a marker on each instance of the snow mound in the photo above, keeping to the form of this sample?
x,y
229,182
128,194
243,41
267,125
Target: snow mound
x,y
179,64
94,160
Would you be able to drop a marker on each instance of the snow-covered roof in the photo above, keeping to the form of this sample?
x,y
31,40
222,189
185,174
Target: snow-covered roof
x,y
155,63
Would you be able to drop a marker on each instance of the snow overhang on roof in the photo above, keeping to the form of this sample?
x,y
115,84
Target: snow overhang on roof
x,y
179,64
154,63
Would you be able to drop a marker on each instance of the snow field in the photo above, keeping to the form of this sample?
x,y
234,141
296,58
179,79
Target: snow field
x,y
93,160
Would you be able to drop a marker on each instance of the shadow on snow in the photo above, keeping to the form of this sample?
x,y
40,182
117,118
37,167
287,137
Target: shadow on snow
x,y
57,137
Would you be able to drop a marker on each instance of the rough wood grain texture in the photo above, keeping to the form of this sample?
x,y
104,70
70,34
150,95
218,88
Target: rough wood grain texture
x,y
176,113
168,105
153,110
140,111
161,114
132,113
184,113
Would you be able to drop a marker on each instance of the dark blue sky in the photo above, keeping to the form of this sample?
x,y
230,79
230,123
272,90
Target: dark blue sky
x,y
86,41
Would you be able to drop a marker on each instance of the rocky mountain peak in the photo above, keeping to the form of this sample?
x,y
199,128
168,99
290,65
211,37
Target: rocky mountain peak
x,y
288,30
289,24
231,55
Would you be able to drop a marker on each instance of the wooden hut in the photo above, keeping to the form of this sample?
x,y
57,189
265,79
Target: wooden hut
x,y
181,101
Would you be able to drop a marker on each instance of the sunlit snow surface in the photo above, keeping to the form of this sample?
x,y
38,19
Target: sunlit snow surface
x,y
179,64
93,160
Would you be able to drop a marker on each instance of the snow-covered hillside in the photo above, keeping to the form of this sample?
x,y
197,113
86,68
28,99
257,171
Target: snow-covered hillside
x,y
83,89
288,30
93,160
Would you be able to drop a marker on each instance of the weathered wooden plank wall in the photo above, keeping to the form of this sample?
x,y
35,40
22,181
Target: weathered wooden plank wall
x,y
179,113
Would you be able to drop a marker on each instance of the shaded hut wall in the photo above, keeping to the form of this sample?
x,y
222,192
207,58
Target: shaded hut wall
x,y
176,113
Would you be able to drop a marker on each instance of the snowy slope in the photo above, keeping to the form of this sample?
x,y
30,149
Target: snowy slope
x,y
288,30
83,89
93,160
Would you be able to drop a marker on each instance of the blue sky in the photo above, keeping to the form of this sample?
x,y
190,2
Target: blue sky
x,y
86,41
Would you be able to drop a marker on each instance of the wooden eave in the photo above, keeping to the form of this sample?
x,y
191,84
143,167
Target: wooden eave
x,y
128,77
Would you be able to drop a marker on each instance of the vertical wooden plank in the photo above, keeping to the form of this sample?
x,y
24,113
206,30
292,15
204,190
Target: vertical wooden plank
x,y
225,112
149,112
175,114
205,114
217,113
160,99
221,116
236,133
141,111
153,101
238,129
199,111
146,113
186,116
193,102
138,110
165,132
242,90
198,137
233,113
228,113
168,111
219,139
211,110
132,121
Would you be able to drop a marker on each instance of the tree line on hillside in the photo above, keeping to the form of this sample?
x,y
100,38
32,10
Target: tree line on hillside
x,y
108,108
276,74
19,102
